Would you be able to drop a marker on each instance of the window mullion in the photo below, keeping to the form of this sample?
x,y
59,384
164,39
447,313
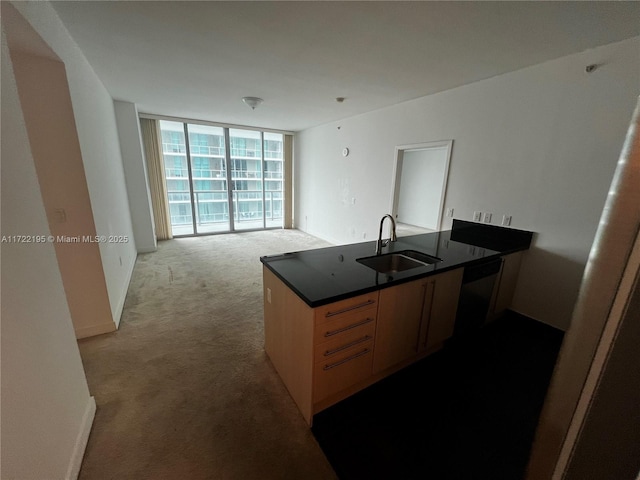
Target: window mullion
x,y
227,154
264,203
191,185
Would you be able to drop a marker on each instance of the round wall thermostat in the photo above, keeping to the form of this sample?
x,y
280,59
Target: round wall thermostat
x,y
345,152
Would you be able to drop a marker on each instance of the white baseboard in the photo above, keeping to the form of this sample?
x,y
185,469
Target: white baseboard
x,y
123,293
564,329
108,327
81,440
94,330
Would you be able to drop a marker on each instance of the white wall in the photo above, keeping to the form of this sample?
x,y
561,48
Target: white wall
x,y
540,144
96,124
135,169
46,408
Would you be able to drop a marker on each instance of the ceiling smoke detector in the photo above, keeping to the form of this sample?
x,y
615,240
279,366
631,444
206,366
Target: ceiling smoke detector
x,y
253,102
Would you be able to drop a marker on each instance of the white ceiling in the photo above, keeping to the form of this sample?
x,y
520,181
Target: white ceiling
x,y
197,59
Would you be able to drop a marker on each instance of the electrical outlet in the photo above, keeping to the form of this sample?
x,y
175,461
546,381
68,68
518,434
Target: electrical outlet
x,y
477,216
506,220
449,212
487,218
60,215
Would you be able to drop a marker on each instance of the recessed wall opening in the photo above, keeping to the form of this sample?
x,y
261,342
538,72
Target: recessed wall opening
x,y
420,182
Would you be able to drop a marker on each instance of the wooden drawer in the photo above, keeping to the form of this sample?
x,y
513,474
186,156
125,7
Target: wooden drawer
x,y
342,326
326,351
343,370
332,311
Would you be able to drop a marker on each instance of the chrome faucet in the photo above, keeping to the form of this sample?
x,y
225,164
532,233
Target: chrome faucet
x,y
383,243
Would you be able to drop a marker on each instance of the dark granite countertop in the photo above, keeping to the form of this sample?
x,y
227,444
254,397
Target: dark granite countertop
x,y
330,274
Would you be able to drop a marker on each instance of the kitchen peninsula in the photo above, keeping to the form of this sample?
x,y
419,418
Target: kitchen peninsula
x,y
333,325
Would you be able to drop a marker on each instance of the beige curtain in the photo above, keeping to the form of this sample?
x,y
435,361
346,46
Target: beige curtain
x,y
155,169
288,181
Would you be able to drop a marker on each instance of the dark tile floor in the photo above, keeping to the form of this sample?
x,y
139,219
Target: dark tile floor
x,y
466,412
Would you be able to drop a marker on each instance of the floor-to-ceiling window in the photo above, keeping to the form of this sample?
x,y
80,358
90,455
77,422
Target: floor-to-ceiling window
x,y
222,179
246,178
209,178
273,174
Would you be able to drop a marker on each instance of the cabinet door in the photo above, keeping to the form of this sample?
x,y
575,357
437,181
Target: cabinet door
x,y
440,307
399,318
506,284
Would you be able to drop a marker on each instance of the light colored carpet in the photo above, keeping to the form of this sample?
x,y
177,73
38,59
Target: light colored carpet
x,y
184,388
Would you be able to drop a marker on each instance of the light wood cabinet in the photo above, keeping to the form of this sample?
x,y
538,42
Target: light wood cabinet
x,y
288,340
324,354
343,345
328,353
415,317
399,319
440,316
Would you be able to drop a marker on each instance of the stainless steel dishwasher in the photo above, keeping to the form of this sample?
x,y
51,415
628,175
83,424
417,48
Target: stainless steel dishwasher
x,y
475,295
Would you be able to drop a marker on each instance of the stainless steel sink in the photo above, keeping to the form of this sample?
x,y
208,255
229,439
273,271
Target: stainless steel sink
x,y
421,257
398,261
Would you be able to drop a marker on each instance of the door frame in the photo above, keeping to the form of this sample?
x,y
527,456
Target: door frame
x,y
397,173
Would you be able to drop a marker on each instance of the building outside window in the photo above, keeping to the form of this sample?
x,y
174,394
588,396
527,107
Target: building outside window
x,y
198,180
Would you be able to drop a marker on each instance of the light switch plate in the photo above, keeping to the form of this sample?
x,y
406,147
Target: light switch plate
x,y
449,212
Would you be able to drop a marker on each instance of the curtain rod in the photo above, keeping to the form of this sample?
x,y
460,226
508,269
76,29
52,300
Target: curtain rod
x,y
154,116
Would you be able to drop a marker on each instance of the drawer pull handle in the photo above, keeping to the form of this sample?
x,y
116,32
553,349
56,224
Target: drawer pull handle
x,y
345,360
328,353
348,309
348,327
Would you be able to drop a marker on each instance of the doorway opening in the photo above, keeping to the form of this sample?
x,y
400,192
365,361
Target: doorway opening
x,y
420,182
